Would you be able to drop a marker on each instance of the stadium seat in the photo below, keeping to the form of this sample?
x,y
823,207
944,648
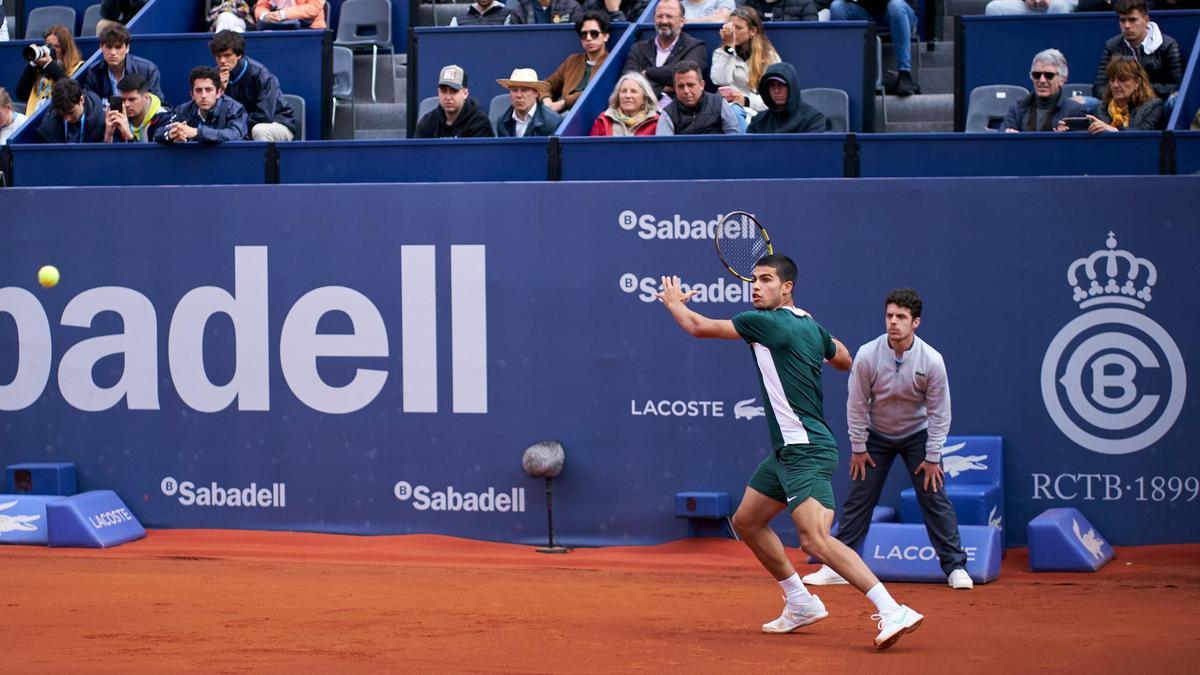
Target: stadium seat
x,y
43,17
427,105
297,104
343,81
1070,90
974,470
91,18
833,103
989,104
496,108
367,23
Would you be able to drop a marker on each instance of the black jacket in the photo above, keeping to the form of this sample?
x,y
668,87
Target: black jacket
x,y
1148,116
225,122
1018,115
253,86
544,122
495,15
561,11
472,122
1164,65
642,56
795,117
95,79
90,129
54,71
784,10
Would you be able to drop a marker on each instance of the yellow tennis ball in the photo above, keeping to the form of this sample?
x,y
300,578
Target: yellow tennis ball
x,y
48,276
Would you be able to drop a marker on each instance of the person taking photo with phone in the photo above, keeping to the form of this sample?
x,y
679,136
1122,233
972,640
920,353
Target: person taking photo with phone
x,y
1042,110
135,114
1129,100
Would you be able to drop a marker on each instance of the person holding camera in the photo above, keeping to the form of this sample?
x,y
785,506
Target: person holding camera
x,y
209,118
57,58
76,116
135,114
1042,110
102,77
739,63
9,119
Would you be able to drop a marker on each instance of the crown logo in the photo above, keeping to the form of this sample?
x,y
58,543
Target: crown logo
x,y
1121,271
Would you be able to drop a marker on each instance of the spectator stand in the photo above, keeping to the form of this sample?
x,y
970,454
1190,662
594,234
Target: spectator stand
x,y
980,40
487,53
1034,154
413,161
36,165
293,56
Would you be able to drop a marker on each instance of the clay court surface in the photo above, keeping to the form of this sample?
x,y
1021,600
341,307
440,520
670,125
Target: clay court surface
x,y
228,601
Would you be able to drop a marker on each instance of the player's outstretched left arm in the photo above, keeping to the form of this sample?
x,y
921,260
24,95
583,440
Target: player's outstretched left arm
x,y
842,359
696,324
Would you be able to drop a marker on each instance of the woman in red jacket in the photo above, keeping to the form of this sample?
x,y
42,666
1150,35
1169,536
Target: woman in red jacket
x,y
632,109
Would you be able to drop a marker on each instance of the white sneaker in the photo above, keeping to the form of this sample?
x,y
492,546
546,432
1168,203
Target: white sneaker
x,y
824,577
895,624
960,579
797,617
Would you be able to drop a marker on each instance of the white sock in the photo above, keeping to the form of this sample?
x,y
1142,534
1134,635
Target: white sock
x,y
797,594
882,599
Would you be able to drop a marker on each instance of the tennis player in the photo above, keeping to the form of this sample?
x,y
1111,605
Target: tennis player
x,y
789,347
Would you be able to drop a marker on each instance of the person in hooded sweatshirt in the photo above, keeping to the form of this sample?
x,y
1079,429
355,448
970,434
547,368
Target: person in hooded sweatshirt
x,y
457,115
786,113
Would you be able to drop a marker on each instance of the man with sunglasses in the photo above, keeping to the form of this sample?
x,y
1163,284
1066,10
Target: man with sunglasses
x,y
1041,110
572,76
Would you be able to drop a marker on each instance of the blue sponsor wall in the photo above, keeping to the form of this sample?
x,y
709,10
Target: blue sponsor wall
x,y
488,317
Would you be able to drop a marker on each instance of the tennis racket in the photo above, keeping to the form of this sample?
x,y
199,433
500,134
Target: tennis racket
x,y
741,241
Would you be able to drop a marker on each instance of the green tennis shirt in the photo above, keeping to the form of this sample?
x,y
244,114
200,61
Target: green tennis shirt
x,y
789,348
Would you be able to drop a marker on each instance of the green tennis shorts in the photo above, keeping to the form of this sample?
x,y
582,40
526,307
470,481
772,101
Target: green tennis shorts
x,y
795,473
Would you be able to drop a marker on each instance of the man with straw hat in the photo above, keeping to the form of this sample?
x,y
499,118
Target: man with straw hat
x,y
526,116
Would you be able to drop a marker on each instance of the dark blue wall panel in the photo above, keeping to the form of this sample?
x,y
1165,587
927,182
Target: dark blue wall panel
x,y
487,317
679,157
466,159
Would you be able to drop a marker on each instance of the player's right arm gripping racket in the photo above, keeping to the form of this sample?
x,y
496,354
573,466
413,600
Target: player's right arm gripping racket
x,y
741,240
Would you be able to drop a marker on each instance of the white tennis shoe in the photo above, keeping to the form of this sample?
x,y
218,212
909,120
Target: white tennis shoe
x,y
797,617
823,577
960,579
895,624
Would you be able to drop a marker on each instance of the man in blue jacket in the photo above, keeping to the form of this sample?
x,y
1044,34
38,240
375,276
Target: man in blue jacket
x,y
209,118
102,77
75,116
250,83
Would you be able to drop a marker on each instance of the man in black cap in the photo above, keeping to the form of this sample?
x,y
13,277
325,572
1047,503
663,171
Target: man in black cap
x,y
457,115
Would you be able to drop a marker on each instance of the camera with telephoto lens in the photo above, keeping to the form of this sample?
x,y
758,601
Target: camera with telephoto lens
x,y
36,52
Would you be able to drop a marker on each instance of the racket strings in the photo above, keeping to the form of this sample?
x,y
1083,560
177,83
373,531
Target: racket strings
x,y
740,243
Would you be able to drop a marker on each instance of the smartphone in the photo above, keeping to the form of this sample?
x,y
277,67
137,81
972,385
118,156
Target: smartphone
x,y
116,103
1077,123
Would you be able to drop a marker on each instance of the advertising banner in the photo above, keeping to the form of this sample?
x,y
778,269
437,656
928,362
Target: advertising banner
x,y
374,359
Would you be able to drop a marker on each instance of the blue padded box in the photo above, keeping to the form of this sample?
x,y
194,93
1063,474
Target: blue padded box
x,y
902,552
974,469
23,518
702,505
41,478
707,513
96,519
1062,540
